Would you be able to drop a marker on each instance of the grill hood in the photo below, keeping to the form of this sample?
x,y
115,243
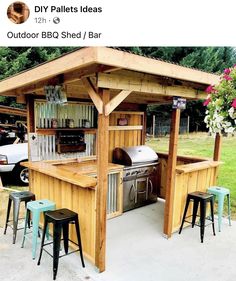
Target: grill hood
x,y
134,155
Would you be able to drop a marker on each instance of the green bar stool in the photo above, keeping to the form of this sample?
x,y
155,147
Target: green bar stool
x,y
36,207
220,193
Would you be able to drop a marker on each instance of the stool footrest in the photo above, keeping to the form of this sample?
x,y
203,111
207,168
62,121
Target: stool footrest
x,y
46,244
197,224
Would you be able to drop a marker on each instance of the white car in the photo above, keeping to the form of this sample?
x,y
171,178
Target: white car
x,y
10,157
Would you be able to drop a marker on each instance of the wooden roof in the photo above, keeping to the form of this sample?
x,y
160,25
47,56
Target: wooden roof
x,y
147,80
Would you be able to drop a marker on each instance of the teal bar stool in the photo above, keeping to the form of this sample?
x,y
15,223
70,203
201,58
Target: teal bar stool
x,y
220,193
36,207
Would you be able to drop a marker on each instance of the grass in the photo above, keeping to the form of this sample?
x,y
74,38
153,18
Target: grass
x,y
203,145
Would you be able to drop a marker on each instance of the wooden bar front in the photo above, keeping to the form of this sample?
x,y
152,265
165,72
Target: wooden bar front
x,y
71,185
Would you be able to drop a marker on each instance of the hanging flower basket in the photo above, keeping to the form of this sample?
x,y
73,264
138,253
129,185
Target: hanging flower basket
x,y
221,104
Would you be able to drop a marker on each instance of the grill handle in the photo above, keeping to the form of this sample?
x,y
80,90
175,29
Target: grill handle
x,y
151,185
130,191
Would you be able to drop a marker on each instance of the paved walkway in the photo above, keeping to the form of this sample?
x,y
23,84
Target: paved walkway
x,y
136,251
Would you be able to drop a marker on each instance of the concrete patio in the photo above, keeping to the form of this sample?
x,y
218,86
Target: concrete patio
x,y
136,250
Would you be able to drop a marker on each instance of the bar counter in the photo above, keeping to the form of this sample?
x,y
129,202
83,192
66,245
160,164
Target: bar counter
x,y
72,184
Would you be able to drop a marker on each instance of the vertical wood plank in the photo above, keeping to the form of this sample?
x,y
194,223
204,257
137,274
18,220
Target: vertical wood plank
x,y
171,166
102,155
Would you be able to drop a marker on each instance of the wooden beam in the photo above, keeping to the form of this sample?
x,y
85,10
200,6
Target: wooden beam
x,y
93,95
125,60
217,148
21,99
171,167
148,84
69,62
126,128
13,111
114,102
101,200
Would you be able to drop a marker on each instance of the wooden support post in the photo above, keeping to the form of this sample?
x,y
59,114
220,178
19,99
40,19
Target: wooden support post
x,y
217,148
101,200
153,125
188,124
217,153
30,114
171,166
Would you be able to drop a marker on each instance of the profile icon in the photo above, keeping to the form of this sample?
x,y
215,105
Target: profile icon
x,y
18,12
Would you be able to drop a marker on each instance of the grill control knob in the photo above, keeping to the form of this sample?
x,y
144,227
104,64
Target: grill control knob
x,y
127,174
146,171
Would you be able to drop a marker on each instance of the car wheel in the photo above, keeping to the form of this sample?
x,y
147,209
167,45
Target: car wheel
x,y
22,175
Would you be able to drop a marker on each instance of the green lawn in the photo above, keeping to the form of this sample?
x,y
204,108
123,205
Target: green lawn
x,y
203,145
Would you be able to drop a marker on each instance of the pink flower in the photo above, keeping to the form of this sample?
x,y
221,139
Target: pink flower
x,y
209,89
235,66
227,77
227,71
206,102
234,103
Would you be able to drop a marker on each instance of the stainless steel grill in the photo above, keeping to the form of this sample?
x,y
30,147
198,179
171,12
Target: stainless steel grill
x,y
139,177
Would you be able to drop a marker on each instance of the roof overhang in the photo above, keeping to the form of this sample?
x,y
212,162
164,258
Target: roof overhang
x,y
114,69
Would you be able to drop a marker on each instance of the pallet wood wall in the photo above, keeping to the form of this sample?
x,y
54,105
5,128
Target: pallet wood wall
x,y
66,195
162,168
186,183
119,137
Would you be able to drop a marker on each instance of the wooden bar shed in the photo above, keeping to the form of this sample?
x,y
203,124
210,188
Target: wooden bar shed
x,y
103,85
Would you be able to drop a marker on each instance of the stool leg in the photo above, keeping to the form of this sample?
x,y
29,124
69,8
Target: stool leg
x,y
212,215
16,209
195,207
66,236
79,241
185,212
229,211
8,214
56,247
36,217
26,220
43,238
220,210
202,219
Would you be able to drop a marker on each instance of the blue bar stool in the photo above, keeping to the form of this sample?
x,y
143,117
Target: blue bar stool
x,y
36,207
220,193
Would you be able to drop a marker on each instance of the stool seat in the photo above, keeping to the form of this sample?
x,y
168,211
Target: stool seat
x,y
61,215
21,195
202,198
200,195
40,205
220,193
17,198
61,219
36,207
218,190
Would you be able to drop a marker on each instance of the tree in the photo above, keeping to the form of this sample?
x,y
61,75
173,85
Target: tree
x,y
209,59
16,59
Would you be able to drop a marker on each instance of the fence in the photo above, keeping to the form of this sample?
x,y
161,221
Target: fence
x,y
162,126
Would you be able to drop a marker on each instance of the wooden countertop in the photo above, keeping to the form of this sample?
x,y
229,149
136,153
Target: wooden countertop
x,y
78,173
